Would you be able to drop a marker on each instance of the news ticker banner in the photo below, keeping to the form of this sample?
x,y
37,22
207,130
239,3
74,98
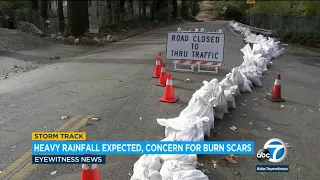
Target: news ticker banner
x,y
59,136
272,168
120,147
69,159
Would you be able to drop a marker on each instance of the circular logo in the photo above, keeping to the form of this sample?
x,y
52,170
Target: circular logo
x,y
277,150
263,155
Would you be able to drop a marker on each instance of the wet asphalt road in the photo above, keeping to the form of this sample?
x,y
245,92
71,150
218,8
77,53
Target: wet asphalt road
x,y
116,85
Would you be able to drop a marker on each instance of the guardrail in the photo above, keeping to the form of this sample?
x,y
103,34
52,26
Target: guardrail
x,y
257,30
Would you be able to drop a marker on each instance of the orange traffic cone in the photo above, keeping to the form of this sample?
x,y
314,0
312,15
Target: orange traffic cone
x,y
169,91
275,95
163,76
157,68
90,172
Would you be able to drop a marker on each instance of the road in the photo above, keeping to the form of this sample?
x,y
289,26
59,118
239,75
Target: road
x,y
115,84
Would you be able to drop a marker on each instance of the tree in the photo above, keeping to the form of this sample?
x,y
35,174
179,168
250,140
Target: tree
x,y
77,19
144,11
109,10
153,10
44,9
34,5
131,12
194,8
184,9
61,16
121,11
174,9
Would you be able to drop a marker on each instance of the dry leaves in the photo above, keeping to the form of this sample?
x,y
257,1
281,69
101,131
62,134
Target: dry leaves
x,y
204,170
287,145
95,118
214,163
269,128
200,164
244,115
232,159
233,128
186,80
63,117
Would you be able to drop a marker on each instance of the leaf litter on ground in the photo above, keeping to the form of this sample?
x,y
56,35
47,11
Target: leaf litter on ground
x,y
63,117
214,163
233,128
232,159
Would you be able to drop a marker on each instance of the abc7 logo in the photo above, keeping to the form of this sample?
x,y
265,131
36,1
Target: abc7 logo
x,y
273,151
263,155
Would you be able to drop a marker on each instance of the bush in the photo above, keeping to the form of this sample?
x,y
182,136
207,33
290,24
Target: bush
x,y
305,38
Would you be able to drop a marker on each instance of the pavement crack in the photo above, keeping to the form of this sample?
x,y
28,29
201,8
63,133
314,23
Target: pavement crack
x,y
6,130
121,97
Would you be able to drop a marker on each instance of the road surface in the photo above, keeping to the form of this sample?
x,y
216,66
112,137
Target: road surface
x,y
116,85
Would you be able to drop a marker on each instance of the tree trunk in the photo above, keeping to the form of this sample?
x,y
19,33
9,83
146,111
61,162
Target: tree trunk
x,y
61,16
184,9
44,9
121,11
174,9
194,8
86,14
109,10
144,11
34,5
78,18
153,10
131,11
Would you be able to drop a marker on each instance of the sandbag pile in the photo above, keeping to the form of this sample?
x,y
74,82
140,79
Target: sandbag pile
x,y
208,103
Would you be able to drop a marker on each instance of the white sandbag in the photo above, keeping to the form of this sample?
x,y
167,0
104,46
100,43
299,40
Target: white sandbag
x,y
186,127
169,168
200,108
255,79
192,158
247,87
231,103
251,73
190,175
220,103
249,82
228,82
147,168
201,104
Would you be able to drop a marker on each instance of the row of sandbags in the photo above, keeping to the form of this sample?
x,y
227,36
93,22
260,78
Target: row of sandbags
x,y
208,103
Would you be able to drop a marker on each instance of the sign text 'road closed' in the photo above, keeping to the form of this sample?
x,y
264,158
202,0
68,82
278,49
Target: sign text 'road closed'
x,y
195,46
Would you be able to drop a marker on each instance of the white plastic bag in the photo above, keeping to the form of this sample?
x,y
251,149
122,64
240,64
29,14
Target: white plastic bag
x,y
201,105
169,168
147,168
192,158
231,103
190,175
220,104
186,127
200,108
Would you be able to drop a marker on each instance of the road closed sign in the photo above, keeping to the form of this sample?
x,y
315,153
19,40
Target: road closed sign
x,y
195,46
